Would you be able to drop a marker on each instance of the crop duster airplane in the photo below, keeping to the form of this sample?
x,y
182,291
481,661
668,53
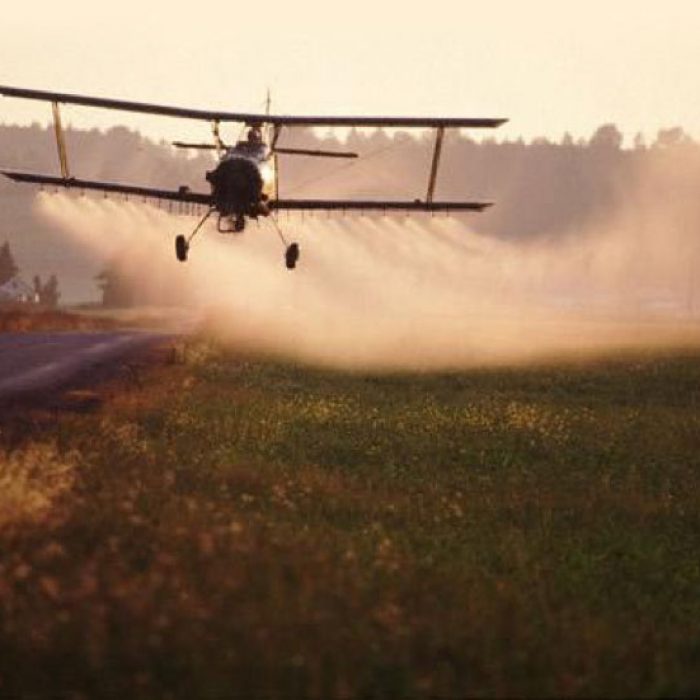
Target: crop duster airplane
x,y
244,183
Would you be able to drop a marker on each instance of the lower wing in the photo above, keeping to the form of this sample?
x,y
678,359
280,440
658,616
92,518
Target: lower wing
x,y
415,205
182,194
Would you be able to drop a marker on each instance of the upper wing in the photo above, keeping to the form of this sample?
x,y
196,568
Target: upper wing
x,y
183,194
373,205
248,118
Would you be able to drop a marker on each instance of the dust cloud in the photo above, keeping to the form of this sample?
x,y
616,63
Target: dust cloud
x,y
420,292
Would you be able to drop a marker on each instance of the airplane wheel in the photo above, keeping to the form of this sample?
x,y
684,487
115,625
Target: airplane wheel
x,y
239,224
181,248
291,256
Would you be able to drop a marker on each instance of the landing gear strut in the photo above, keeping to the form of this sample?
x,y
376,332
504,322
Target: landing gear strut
x,y
182,244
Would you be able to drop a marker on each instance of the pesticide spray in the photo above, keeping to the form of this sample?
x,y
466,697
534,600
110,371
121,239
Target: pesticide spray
x,y
418,292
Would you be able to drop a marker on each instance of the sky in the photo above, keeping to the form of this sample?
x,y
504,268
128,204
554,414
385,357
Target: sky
x,y
550,66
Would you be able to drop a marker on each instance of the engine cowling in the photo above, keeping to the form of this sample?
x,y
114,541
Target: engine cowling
x,y
236,186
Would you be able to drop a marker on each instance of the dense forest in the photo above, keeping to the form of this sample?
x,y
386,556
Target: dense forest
x,y
541,188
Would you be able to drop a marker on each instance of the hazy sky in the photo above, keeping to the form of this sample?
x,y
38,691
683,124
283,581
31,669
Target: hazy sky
x,y
551,66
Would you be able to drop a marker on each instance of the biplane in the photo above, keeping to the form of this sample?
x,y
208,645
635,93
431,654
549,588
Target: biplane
x,y
245,182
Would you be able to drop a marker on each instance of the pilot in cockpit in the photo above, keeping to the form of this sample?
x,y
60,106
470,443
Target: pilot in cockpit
x,y
254,135
253,145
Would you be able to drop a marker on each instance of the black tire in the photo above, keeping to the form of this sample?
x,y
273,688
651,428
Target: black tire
x,y
181,248
291,256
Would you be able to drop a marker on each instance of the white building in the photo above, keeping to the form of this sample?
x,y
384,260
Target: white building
x,y
17,290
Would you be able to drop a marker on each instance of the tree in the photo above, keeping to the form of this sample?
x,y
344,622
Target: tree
x,y
640,142
675,136
8,268
47,294
607,136
50,294
114,287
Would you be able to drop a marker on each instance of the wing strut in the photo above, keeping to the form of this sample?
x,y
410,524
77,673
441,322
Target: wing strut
x,y
276,131
60,141
436,162
219,144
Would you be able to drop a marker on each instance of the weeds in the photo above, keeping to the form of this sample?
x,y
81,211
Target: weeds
x,y
245,528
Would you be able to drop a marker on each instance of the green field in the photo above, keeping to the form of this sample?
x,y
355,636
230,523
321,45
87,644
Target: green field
x,y
227,526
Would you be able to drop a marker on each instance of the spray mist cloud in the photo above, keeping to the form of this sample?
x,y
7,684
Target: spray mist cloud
x,y
418,292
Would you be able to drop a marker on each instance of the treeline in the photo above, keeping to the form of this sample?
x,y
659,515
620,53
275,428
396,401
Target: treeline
x,y
542,188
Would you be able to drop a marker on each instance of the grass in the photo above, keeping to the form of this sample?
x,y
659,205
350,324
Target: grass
x,y
27,318
237,527
24,318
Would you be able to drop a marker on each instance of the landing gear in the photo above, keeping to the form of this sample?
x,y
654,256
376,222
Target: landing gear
x,y
229,223
182,247
182,244
291,250
291,255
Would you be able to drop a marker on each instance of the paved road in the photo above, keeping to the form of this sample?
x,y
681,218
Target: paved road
x,y
32,362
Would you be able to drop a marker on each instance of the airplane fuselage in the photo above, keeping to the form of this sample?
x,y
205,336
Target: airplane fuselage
x,y
244,180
